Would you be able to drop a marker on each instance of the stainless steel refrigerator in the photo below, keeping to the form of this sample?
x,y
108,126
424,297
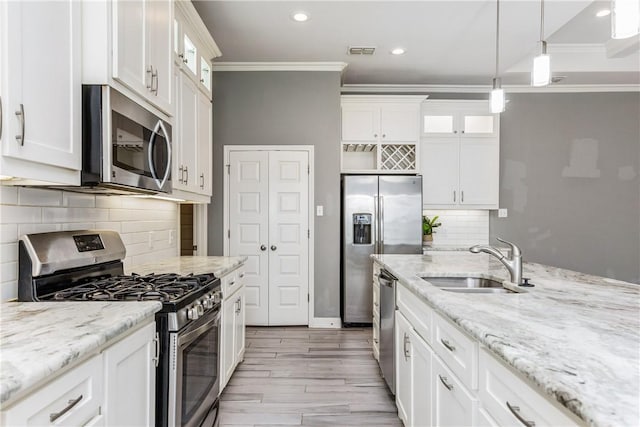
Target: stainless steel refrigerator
x,y
381,214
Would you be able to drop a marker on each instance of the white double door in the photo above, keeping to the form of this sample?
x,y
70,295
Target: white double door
x,y
269,224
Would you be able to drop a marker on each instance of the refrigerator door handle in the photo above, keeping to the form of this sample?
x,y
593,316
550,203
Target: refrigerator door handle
x,y
381,223
376,212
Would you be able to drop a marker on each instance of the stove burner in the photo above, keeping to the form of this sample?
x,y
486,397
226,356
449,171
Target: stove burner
x,y
149,287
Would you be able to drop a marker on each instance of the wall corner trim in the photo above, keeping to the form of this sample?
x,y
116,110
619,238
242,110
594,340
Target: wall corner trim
x,y
279,66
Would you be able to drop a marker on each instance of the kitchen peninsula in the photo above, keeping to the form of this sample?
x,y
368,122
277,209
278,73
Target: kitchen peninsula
x,y
574,338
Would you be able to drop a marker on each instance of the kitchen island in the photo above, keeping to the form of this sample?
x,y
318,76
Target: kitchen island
x,y
574,337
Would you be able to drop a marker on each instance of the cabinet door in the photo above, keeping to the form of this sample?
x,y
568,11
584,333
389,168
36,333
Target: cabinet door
x,y
129,45
421,388
360,122
41,87
404,373
249,228
159,21
205,142
228,326
478,121
187,135
439,123
453,405
439,166
130,379
399,122
239,327
479,172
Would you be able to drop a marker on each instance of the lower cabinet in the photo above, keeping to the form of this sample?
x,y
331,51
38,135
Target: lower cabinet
x,y
444,377
232,325
113,388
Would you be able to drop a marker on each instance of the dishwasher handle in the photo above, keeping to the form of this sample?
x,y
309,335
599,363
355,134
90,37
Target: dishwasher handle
x,y
386,279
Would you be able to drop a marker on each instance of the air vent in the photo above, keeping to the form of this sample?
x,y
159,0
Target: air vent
x,y
361,50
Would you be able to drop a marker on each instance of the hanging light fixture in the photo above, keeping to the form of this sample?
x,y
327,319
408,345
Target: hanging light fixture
x,y
496,98
625,18
541,73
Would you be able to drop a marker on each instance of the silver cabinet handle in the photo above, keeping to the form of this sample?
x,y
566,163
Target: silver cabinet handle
x,y
202,180
73,402
181,170
186,171
447,344
462,196
149,77
445,382
454,196
156,357
404,347
274,247
238,306
154,77
20,115
263,248
515,410
381,221
1,117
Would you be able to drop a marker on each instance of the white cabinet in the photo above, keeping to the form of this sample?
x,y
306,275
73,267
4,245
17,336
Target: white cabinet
x,y
376,312
40,91
453,404
380,133
232,324
130,379
185,134
459,151
142,49
404,374
204,138
115,387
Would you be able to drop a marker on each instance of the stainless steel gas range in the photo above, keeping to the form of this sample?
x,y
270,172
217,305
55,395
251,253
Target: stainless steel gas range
x,y
87,266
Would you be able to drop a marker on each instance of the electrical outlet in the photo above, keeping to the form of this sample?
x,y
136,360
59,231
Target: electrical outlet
x,y
319,210
151,240
502,213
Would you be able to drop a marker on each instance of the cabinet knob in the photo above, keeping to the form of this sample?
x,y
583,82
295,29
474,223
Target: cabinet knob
x,y
274,247
375,135
384,135
455,131
263,248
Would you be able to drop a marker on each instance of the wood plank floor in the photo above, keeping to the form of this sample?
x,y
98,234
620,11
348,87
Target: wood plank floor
x,y
309,377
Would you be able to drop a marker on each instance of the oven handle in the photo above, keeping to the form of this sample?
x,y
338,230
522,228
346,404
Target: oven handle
x,y
191,336
160,126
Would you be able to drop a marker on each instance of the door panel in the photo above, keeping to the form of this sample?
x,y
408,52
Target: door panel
x,y
479,163
129,46
400,122
248,224
440,176
288,240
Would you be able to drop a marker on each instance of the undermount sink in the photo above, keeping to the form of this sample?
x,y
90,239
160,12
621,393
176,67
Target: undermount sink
x,y
470,285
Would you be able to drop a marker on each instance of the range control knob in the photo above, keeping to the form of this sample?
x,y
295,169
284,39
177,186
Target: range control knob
x,y
216,297
192,313
207,303
199,309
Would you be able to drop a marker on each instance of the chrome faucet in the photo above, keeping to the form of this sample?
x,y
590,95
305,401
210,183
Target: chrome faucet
x,y
513,262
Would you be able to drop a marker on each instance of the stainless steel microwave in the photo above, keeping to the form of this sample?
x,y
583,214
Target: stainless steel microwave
x,y
125,147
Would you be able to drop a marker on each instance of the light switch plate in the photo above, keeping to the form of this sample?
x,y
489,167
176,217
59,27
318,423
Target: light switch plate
x,y
319,210
502,213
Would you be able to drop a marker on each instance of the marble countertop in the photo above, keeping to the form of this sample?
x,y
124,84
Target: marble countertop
x,y
38,339
218,265
575,336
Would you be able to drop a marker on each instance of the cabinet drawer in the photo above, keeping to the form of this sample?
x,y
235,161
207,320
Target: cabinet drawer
x,y
458,351
419,314
454,405
74,398
510,400
231,282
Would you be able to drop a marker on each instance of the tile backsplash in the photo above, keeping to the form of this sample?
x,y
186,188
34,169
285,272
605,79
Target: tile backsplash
x,y
460,227
149,227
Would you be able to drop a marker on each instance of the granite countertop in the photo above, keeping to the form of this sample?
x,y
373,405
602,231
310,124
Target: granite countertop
x,y
218,265
575,336
37,339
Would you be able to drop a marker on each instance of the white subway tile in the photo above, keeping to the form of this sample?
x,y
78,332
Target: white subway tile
x,y
9,252
109,201
8,291
74,214
78,200
133,238
10,214
8,195
136,226
8,271
8,233
114,226
79,226
30,196
150,204
37,228
140,215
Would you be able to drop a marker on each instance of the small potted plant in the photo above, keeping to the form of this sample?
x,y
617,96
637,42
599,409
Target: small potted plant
x,y
428,226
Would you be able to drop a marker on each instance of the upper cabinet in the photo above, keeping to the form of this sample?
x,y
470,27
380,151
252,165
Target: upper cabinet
x,y
127,44
40,91
380,133
460,155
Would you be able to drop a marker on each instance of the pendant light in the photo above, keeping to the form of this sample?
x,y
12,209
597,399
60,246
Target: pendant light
x,y
625,18
496,98
541,73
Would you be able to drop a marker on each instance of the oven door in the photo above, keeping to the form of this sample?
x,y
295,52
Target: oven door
x,y
195,383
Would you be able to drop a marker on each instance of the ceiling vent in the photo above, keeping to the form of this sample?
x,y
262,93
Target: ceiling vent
x,y
361,50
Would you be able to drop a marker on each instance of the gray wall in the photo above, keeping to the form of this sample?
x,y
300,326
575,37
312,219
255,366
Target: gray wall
x,y
569,176
285,108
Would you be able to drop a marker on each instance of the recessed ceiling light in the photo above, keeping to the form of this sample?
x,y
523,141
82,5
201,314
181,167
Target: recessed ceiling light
x,y
300,16
603,12
398,51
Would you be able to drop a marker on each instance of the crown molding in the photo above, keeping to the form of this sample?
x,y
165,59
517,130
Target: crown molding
x,y
279,66
427,89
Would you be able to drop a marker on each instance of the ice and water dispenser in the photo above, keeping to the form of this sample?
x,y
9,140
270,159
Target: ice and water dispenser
x,y
361,229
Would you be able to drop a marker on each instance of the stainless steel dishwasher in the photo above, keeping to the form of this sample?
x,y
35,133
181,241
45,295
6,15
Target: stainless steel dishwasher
x,y
387,323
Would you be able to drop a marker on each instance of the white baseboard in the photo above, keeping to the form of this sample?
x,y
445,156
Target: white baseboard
x,y
325,322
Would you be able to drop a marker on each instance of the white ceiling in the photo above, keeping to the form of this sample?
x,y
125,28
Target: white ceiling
x,y
448,42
